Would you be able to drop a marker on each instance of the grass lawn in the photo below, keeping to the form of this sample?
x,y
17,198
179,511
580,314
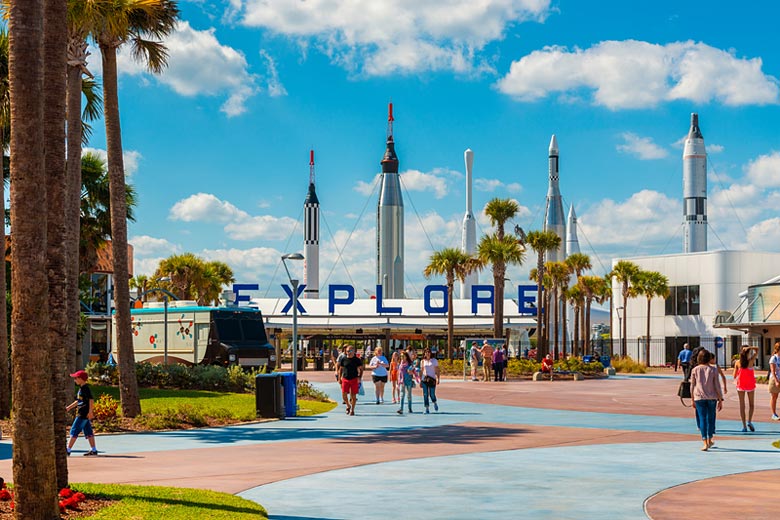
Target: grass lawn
x,y
165,503
170,409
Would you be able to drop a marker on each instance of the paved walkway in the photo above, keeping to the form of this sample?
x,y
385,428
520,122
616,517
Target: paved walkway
x,y
618,448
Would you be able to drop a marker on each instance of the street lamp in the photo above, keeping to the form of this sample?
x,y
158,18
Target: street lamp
x,y
294,283
165,320
620,329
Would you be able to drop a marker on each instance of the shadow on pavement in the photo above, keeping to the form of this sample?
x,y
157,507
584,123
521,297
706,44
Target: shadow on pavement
x,y
450,434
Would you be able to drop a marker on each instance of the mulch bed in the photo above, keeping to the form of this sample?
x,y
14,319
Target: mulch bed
x,y
88,507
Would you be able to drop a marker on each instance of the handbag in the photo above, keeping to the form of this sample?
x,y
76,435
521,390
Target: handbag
x,y
430,381
684,392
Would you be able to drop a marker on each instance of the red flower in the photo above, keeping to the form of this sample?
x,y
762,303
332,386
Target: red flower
x,y
80,496
5,495
62,506
65,492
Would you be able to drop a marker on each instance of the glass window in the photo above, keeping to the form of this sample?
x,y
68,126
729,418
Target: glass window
x,y
229,329
99,303
693,300
253,329
670,301
682,301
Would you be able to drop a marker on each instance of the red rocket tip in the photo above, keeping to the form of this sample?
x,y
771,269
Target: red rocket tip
x,y
390,112
311,158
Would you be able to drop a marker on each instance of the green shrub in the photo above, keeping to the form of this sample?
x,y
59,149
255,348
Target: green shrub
x,y
575,364
209,377
106,412
451,367
103,373
627,365
306,391
517,367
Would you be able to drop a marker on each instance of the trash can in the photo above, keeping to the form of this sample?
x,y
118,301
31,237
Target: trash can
x,y
290,391
319,363
269,398
587,359
605,360
301,363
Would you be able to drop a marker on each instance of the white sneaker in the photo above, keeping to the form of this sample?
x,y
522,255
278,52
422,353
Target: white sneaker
x,y
775,417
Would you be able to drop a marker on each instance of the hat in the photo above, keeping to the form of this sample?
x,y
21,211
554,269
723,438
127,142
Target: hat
x,y
80,374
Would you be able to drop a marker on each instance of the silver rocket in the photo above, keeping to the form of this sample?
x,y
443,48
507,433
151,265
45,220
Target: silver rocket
x,y
553,213
469,240
390,222
311,238
694,190
572,242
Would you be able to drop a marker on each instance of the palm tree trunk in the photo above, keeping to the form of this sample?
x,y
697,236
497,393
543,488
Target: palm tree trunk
x,y
5,383
450,318
33,459
647,338
576,346
55,48
547,320
498,311
588,303
564,327
128,384
624,342
554,301
540,334
73,206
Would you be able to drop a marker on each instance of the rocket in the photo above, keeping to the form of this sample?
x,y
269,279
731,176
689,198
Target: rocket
x,y
469,240
572,242
694,190
390,222
553,213
311,238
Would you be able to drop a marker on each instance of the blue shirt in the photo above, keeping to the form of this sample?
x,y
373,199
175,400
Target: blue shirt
x,y
685,356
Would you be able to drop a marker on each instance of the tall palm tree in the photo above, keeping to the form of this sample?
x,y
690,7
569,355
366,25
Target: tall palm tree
x,y
141,282
33,459
577,263
576,297
5,135
499,252
651,284
57,186
542,242
559,276
130,21
452,263
592,288
184,271
214,277
624,272
499,211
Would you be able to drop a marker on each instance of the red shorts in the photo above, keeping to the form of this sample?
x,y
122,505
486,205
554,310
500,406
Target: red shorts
x,y
350,386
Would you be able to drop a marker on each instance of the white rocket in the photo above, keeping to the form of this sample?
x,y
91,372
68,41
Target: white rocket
x,y
572,242
469,240
311,238
390,222
553,213
694,190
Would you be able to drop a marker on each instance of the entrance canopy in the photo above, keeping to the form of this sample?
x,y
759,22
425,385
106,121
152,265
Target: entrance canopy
x,y
373,317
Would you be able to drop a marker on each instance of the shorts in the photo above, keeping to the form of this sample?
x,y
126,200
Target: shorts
x,y
774,387
81,424
350,386
379,379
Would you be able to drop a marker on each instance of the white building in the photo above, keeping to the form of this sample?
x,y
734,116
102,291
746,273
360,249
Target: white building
x,y
702,284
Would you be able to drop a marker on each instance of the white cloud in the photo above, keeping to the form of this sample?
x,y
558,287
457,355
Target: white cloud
x,y
144,245
436,182
367,188
382,37
715,148
273,84
146,266
636,74
199,65
130,158
765,170
641,147
239,225
491,185
765,234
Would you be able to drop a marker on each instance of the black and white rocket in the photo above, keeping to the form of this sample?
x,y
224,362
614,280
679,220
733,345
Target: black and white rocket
x,y
554,219
694,190
311,238
572,242
469,239
390,222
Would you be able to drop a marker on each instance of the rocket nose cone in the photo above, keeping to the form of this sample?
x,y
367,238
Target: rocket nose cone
x,y
553,145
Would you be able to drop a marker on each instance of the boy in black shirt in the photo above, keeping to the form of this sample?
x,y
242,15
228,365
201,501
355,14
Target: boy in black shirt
x,y
350,371
84,413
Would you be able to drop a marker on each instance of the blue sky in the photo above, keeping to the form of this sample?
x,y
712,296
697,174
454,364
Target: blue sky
x,y
218,145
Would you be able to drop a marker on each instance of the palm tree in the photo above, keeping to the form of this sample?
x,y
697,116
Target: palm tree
x,y
183,270
559,276
5,134
140,282
57,186
34,468
452,263
592,288
624,272
214,277
499,252
499,211
576,263
576,297
542,242
128,21
650,284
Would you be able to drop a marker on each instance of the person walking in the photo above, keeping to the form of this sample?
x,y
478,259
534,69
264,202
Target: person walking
x,y
684,361
406,378
774,381
430,378
474,361
350,374
85,408
707,396
487,360
395,360
379,366
745,379
498,364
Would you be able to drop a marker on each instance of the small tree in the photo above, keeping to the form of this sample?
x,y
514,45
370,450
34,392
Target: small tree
x,y
650,284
